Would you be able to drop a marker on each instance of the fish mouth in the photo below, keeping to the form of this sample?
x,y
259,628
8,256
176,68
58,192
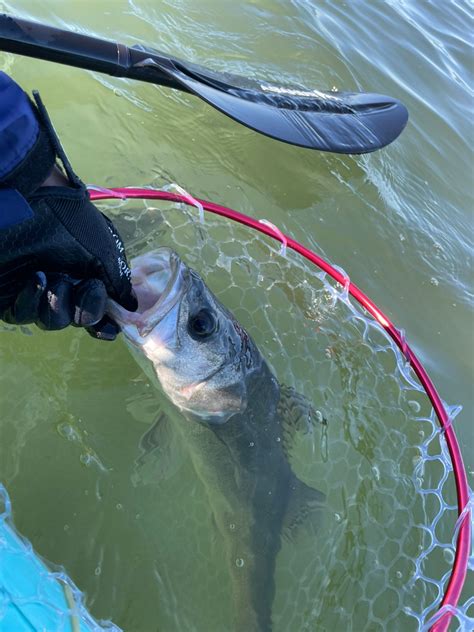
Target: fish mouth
x,y
159,279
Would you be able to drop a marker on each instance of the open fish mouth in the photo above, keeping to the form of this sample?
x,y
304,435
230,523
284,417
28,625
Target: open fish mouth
x,y
159,279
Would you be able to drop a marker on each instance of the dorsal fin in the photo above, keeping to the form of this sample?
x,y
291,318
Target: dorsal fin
x,y
297,415
298,418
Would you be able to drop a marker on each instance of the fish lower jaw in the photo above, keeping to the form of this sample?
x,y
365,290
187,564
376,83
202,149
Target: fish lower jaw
x,y
132,334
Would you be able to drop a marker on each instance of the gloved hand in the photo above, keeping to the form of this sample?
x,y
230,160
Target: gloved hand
x,y
60,257
58,265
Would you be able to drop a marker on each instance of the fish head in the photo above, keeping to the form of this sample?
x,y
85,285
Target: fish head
x,y
202,357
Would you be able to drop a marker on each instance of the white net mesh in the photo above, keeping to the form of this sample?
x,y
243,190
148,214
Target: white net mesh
x,y
387,554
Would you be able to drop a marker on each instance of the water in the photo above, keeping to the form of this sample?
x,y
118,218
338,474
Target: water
x,y
398,221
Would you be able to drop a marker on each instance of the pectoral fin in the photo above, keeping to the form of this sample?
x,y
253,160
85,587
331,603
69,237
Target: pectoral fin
x,y
304,509
160,456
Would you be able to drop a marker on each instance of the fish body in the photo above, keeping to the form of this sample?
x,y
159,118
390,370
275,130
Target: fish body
x,y
233,421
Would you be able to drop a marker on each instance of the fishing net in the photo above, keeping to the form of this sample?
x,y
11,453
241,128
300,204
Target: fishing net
x,y
391,548
384,557
33,595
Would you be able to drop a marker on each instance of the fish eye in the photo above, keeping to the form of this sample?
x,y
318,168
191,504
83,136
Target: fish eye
x,y
202,324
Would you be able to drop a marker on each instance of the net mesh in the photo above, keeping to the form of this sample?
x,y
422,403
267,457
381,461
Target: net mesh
x,y
384,553
382,459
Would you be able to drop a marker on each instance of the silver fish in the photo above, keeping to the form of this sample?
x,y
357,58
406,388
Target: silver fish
x,y
236,421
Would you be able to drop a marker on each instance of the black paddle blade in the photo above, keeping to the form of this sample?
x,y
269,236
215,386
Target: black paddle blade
x,y
341,122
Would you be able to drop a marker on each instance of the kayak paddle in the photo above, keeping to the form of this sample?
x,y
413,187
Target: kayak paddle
x,y
342,122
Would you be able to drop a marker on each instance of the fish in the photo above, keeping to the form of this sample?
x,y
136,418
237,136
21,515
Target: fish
x,y
236,421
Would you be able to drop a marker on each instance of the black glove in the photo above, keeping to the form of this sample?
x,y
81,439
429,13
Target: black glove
x,y
63,258
58,266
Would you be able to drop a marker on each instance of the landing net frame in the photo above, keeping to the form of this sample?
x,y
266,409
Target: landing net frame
x,y
450,599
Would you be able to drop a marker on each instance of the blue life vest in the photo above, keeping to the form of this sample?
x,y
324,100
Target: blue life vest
x,y
19,130
18,125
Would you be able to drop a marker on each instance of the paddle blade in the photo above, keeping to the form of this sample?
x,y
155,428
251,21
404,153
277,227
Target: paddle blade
x,y
341,122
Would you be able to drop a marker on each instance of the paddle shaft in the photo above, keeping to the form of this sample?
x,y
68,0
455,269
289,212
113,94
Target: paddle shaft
x,y
40,41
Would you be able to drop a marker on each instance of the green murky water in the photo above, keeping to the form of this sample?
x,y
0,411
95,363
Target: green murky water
x,y
72,411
